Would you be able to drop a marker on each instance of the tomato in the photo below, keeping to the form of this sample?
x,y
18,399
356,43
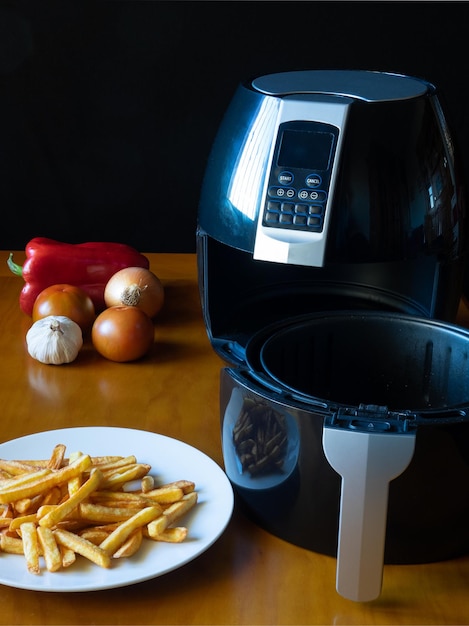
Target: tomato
x,y
122,333
68,300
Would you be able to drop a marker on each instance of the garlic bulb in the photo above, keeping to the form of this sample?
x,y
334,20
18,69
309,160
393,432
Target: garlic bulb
x,y
54,340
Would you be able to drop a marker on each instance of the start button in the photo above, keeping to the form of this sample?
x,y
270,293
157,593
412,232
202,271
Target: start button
x,y
285,178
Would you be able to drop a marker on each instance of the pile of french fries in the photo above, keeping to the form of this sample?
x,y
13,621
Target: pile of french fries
x,y
101,508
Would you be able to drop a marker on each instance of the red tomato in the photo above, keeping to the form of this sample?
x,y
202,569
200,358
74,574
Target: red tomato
x,y
67,300
122,333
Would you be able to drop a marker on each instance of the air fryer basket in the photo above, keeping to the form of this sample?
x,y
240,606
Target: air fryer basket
x,y
314,366
402,362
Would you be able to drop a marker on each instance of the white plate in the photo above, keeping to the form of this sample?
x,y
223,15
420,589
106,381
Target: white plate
x,y
170,460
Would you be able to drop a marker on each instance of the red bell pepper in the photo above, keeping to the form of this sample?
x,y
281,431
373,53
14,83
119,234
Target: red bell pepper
x,y
86,265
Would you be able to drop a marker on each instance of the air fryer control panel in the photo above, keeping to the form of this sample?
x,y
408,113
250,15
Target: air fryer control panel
x,y
300,176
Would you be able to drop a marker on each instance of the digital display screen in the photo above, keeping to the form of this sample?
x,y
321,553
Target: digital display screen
x,y
305,149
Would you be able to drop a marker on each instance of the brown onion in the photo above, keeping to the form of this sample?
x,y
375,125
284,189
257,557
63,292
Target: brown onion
x,y
135,286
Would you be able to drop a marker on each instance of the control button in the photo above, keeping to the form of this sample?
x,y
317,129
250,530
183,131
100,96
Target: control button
x,y
299,220
301,208
280,192
271,217
314,221
315,209
313,180
286,218
285,178
286,207
273,206
315,196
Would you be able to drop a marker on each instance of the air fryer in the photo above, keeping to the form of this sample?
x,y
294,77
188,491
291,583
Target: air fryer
x,y
331,249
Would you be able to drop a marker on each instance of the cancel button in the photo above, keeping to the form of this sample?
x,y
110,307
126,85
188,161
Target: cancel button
x,y
313,180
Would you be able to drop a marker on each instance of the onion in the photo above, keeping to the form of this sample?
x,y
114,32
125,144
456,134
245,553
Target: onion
x,y
135,286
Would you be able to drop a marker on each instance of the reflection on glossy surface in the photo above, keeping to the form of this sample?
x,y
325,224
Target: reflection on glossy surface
x,y
42,380
260,438
260,442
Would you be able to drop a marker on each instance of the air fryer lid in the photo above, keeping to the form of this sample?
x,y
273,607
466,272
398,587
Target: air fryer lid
x,y
363,85
377,378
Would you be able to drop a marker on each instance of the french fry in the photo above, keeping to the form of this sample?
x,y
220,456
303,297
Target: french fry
x,y
44,510
61,511
109,467
17,521
163,492
73,519
50,549
17,468
68,556
147,483
57,457
125,475
28,505
121,498
165,495
74,483
118,536
53,496
11,545
186,485
105,514
176,534
21,480
30,546
130,546
94,534
171,514
22,506
46,482
83,546
103,460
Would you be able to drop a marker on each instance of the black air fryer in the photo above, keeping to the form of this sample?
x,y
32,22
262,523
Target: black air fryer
x,y
331,246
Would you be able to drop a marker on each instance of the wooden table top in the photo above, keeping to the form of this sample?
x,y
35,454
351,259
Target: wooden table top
x,y
248,576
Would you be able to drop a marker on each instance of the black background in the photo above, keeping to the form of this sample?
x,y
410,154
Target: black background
x,y
108,109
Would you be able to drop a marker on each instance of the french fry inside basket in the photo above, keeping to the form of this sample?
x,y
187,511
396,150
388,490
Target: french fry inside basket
x,y
101,508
